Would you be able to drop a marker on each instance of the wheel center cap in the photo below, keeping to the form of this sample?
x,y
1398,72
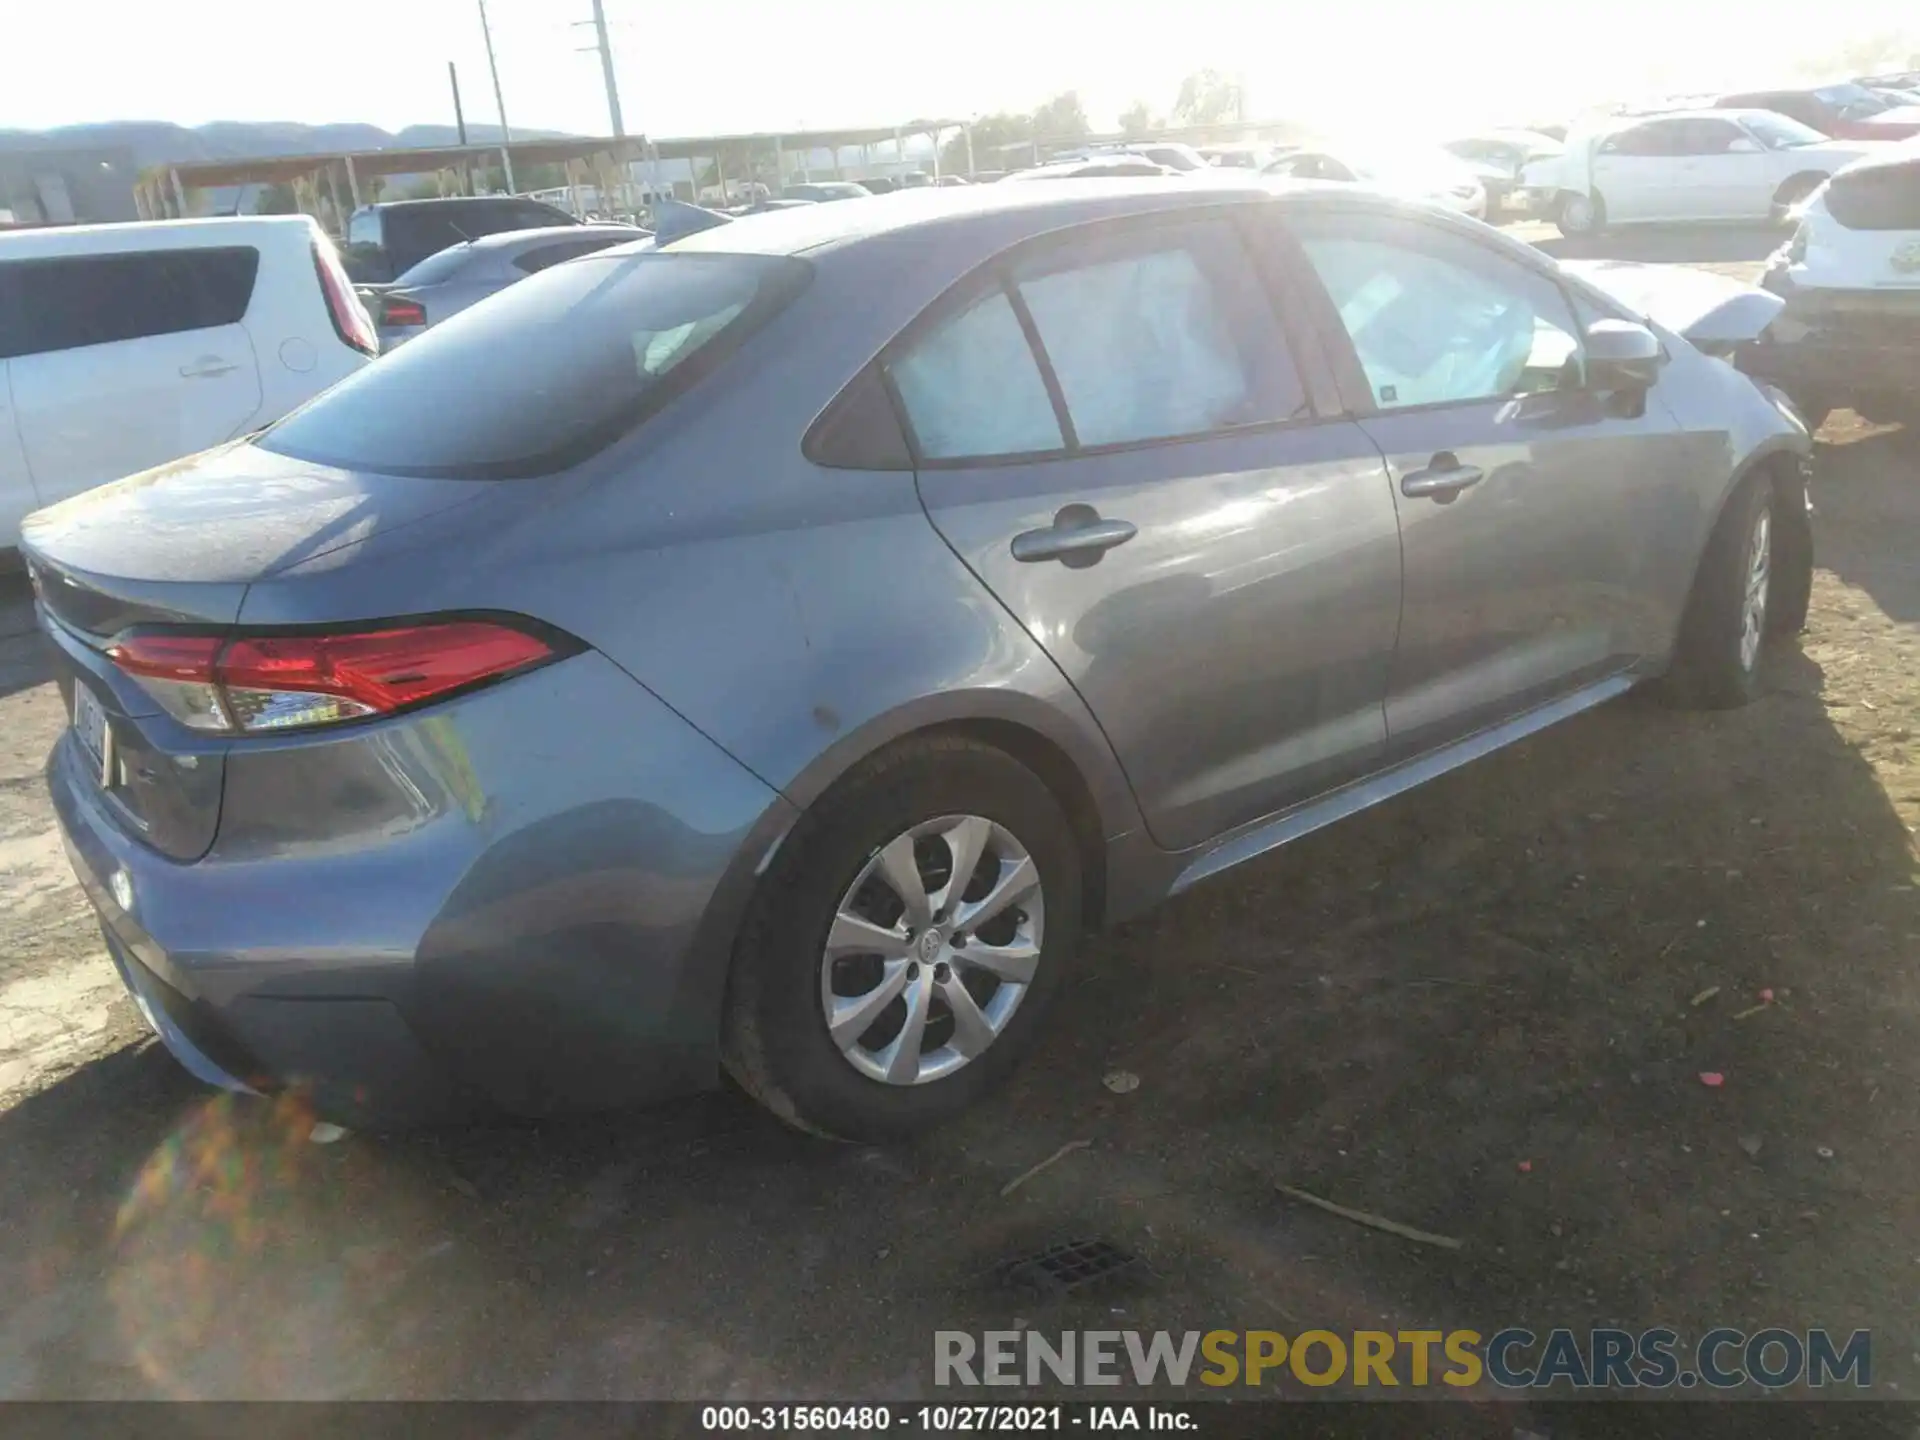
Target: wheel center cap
x,y
929,945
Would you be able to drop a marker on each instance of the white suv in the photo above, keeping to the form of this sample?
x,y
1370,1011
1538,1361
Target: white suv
x,y
1850,333
125,346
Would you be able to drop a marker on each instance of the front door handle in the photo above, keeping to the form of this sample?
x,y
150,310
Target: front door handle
x,y
1077,538
206,368
1443,479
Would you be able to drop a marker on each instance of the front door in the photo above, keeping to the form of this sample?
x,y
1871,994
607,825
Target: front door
x,y
130,361
1525,497
1727,171
1111,433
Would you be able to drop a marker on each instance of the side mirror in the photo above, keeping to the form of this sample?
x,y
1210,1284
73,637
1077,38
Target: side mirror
x,y
1744,145
1622,355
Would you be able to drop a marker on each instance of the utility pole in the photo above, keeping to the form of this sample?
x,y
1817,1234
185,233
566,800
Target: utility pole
x,y
460,124
606,67
499,100
459,115
599,23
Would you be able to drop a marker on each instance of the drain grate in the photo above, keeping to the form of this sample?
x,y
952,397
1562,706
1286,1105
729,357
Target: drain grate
x,y
1069,1266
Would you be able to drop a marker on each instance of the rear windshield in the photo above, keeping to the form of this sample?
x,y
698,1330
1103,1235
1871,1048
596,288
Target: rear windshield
x,y
545,373
435,268
1880,197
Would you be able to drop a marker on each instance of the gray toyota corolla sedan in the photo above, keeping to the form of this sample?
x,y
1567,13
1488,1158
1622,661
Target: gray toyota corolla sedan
x,y
780,651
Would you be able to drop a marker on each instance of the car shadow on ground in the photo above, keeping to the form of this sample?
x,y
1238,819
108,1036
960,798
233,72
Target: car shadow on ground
x,y
1488,1010
24,661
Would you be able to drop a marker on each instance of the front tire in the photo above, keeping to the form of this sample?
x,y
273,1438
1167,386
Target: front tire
x,y
1723,635
1580,214
900,955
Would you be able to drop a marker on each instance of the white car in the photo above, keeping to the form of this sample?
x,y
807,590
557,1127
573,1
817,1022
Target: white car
x,y
1740,166
125,346
1850,276
1415,174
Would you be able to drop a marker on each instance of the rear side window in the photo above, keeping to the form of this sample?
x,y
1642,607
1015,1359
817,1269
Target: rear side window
x,y
1881,197
76,301
531,262
1160,333
546,373
971,386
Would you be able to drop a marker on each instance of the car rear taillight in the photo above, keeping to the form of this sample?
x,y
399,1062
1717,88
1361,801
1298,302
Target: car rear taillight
x,y
248,683
349,317
394,311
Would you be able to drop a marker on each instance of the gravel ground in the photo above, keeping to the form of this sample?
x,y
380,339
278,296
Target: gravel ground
x,y
1395,1014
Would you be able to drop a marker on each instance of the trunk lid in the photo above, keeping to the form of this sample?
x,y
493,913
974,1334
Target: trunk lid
x,y
180,546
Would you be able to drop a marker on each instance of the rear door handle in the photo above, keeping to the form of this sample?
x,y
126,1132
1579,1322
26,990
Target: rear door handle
x,y
206,368
1443,479
1077,538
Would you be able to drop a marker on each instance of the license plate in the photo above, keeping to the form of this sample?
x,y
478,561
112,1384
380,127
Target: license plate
x,y
95,735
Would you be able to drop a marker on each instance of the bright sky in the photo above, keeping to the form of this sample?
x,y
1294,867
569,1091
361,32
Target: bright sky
x,y
737,65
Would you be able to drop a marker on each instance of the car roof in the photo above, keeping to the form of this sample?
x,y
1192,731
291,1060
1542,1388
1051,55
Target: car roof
x,y
132,235
954,210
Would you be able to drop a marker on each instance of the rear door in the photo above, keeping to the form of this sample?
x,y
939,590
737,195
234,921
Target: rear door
x,y
123,362
1637,171
1725,172
1526,500
1110,429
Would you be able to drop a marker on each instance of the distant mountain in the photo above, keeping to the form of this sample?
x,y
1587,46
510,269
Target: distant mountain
x,y
156,142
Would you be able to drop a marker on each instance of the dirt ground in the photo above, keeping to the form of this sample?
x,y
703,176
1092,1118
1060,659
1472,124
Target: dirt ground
x,y
1395,1014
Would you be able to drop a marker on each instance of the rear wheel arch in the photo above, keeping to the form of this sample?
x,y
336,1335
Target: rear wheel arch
x,y
1051,762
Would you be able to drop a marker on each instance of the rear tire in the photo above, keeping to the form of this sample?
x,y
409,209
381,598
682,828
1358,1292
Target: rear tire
x,y
842,865
1717,658
1580,215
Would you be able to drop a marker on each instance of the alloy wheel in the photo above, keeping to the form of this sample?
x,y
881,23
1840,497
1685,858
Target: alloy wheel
x,y
931,950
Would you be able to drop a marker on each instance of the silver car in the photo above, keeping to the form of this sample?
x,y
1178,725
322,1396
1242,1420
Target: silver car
x,y
444,284
779,652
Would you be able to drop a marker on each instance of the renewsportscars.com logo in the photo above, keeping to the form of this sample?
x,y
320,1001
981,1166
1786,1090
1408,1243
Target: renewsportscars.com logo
x,y
1513,1359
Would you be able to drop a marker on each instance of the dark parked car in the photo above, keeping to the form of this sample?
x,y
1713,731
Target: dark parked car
x,y
780,650
443,285
386,240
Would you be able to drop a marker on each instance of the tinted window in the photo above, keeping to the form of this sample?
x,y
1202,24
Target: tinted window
x,y
971,386
1437,320
1880,197
76,301
546,373
1661,137
532,261
1159,333
436,269
1705,137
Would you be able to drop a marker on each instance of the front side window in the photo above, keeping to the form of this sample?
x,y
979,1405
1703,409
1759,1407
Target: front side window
x,y
1707,137
1777,132
75,301
1436,319
1159,333
971,386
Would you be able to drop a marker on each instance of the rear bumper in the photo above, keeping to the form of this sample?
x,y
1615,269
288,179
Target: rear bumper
x,y
521,902
1840,345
